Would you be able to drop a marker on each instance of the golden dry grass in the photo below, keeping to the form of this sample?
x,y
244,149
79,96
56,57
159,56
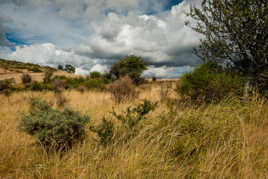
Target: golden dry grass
x,y
35,76
241,151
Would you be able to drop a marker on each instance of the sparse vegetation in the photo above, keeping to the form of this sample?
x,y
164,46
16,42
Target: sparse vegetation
x,y
213,141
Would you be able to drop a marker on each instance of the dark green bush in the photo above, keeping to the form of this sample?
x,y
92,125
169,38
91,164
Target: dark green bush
x,y
105,131
36,86
210,83
6,84
53,128
95,74
60,67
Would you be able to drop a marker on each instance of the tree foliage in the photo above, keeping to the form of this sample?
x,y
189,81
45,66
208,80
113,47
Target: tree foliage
x,y
234,31
69,68
132,66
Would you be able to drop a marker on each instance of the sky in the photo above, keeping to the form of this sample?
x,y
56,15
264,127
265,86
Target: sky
x,y
93,34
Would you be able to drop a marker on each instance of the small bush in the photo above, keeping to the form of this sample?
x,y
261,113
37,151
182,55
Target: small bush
x,y
153,79
210,83
48,76
26,78
54,129
61,99
133,116
6,84
35,69
105,132
123,90
36,86
81,89
58,85
95,84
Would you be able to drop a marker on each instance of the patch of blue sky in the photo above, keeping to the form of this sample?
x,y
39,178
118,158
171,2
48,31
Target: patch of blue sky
x,y
15,40
155,7
170,3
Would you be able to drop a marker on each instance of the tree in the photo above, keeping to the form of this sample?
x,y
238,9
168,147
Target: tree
x,y
60,67
234,31
69,68
132,66
95,74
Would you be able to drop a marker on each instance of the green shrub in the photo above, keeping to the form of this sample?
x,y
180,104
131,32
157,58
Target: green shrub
x,y
95,84
6,84
53,128
105,132
36,86
210,83
95,74
35,69
133,116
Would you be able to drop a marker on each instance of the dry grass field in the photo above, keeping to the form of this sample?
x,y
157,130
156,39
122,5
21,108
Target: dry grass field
x,y
233,142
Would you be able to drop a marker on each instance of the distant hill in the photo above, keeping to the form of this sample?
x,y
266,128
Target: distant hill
x,y
20,67
14,69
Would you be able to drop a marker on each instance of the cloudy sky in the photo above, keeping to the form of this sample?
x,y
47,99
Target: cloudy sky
x,y
93,34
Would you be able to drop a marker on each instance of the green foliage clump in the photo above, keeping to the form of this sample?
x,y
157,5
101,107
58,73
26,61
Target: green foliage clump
x,y
128,128
35,69
95,74
105,132
6,84
69,68
133,116
95,83
210,83
60,67
54,128
36,86
132,66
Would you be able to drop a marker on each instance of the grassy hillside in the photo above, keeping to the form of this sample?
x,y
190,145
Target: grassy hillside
x,y
227,140
19,67
14,69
